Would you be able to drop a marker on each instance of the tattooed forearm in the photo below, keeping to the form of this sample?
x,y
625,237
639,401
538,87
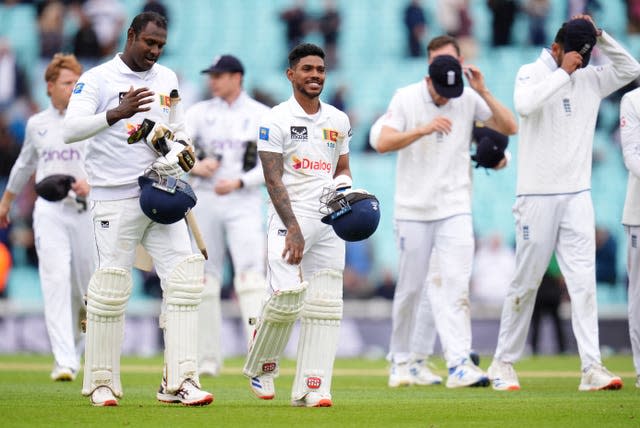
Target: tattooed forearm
x,y
273,168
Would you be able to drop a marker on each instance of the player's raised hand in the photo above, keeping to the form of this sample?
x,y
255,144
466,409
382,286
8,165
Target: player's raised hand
x,y
475,78
571,62
132,102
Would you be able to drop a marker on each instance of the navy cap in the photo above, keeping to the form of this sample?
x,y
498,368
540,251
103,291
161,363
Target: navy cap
x,y
580,36
225,64
446,76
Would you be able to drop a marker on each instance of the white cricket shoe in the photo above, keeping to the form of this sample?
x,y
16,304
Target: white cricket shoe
x,y
63,374
597,378
421,374
209,368
466,374
503,376
103,396
399,375
189,394
263,386
313,399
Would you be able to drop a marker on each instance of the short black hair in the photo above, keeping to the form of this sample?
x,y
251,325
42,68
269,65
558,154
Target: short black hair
x,y
302,50
560,34
142,19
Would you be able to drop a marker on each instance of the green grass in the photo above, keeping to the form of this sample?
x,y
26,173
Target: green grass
x,y
549,398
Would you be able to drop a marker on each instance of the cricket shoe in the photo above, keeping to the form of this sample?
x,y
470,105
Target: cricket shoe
x,y
103,396
63,374
188,394
263,386
313,399
421,374
209,368
597,378
503,376
466,374
399,375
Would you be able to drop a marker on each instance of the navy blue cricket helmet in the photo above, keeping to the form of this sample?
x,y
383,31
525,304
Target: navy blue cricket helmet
x,y
165,200
355,216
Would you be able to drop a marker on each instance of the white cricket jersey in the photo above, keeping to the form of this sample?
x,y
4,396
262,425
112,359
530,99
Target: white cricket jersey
x,y
310,147
558,114
45,153
218,128
433,174
630,139
113,165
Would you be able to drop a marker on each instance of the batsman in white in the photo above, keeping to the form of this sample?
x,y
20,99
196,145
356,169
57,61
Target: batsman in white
x,y
227,180
61,223
557,98
630,138
108,105
429,123
304,147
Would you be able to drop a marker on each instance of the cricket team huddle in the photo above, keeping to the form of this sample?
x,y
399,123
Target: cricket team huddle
x,y
145,162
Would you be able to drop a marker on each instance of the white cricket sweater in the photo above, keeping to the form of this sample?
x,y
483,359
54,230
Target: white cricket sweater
x,y
558,115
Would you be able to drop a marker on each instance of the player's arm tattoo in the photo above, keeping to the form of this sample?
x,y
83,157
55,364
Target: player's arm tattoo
x,y
273,167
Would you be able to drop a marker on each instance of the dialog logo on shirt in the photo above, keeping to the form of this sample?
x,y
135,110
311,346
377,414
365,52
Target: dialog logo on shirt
x,y
310,164
299,133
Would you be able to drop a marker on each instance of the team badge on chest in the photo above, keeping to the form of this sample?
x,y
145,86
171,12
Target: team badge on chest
x,y
299,133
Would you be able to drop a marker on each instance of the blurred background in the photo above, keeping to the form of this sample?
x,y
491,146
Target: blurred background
x,y
373,47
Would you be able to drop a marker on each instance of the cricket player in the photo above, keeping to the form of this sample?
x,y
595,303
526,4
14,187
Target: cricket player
x,y
429,123
557,98
304,149
109,104
228,182
61,222
630,137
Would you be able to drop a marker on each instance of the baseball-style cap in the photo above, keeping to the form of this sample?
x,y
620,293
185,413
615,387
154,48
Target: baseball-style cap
x,y
446,76
580,36
225,64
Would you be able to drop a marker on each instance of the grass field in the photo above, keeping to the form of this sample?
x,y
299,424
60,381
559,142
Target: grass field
x,y
549,398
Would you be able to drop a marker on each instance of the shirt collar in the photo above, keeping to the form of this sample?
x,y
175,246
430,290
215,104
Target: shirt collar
x,y
124,69
548,59
298,111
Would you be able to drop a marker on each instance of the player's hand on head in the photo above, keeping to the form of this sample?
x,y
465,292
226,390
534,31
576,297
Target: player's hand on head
x,y
571,62
475,78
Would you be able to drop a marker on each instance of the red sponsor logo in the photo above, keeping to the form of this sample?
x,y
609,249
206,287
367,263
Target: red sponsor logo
x,y
313,165
314,382
269,367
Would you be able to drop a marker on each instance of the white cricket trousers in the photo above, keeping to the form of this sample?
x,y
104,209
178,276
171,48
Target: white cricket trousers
x,y
65,246
633,271
322,250
544,223
452,239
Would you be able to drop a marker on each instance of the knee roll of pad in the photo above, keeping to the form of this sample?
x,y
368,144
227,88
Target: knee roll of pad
x,y
108,292
185,284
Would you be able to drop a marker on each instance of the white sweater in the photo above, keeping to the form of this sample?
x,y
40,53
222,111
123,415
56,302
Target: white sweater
x,y
630,137
558,115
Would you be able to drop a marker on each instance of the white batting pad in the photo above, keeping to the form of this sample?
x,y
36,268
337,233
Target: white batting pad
x,y
209,321
319,330
273,331
182,295
251,289
107,295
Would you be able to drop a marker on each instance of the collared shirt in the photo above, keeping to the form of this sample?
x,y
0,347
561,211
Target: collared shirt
x,y
433,174
113,165
45,153
218,128
558,114
310,146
